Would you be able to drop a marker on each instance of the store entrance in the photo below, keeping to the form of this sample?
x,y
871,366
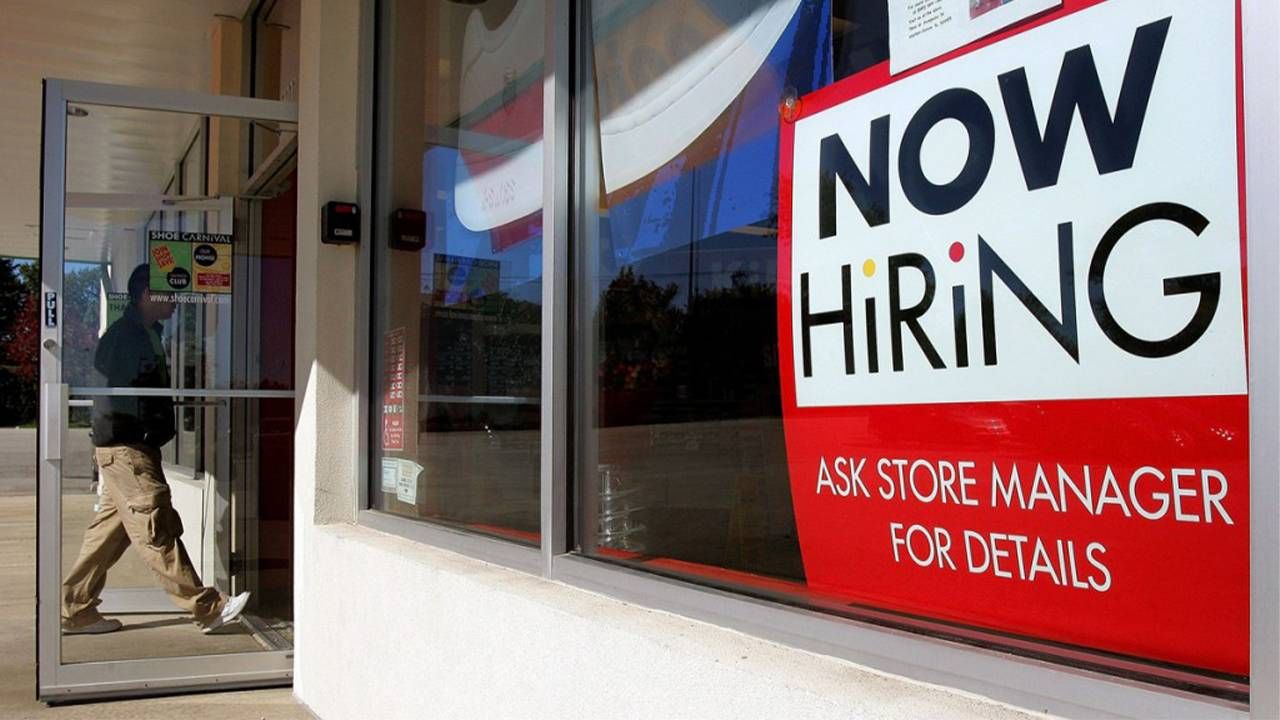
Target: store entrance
x,y
166,407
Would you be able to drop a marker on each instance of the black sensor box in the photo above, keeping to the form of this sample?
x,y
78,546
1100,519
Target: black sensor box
x,y
340,223
408,229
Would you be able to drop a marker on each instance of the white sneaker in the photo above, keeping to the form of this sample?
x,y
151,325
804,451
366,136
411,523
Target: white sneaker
x,y
230,612
98,627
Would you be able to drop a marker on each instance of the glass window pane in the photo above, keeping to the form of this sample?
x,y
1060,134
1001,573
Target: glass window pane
x,y
457,338
685,463
222,464
693,456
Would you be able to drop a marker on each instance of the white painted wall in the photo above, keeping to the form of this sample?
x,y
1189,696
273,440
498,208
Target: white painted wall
x,y
326,419
402,630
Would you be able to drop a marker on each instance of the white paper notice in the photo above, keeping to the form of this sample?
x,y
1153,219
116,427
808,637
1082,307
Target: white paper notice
x,y
921,30
390,473
407,481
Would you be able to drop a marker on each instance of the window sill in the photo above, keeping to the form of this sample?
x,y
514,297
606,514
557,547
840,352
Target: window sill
x,y
491,550
1019,681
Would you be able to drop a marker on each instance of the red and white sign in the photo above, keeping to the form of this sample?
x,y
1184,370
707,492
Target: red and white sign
x,y
393,390
1011,322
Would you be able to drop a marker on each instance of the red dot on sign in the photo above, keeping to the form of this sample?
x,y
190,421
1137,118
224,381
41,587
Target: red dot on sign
x,y
957,252
789,109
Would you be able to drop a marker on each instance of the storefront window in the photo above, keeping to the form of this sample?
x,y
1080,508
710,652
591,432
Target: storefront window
x,y
974,455
457,243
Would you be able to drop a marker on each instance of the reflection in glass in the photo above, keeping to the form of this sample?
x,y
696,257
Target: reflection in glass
x,y
457,346
222,470
685,463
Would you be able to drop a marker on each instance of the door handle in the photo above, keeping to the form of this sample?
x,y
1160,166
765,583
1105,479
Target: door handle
x,y
54,395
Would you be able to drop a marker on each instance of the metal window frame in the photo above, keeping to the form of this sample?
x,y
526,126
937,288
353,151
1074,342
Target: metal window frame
x,y
1018,680
367,129
560,46
1261,28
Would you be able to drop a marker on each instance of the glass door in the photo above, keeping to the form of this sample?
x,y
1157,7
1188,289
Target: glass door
x,y
166,418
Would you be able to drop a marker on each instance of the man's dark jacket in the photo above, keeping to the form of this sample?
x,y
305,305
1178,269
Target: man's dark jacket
x,y
127,357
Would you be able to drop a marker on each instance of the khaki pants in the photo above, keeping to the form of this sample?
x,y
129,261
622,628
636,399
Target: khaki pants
x,y
135,510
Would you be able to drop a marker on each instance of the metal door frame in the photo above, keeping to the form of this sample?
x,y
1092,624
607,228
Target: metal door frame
x,y
55,680
266,178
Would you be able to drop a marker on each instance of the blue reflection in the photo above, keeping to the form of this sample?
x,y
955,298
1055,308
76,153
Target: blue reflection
x,y
516,247
709,191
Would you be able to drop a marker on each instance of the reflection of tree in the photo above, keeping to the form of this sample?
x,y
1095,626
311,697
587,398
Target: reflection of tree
x,y
80,318
488,345
20,321
19,339
641,333
717,359
513,346
732,343
506,310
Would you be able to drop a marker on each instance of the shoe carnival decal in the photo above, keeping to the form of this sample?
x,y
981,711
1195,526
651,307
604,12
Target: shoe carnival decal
x,y
1011,323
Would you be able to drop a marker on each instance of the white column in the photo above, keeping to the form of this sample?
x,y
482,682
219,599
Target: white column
x,y
325,437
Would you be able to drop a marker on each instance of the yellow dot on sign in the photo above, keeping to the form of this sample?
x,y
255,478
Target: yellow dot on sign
x,y
869,268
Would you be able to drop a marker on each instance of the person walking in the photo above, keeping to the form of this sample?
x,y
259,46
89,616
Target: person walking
x,y
136,508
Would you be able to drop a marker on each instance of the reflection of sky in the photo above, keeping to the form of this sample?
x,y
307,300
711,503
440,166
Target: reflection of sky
x,y
691,199
699,200
521,272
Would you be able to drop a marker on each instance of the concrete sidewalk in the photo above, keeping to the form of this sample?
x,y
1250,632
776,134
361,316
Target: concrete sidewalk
x,y
18,461
17,649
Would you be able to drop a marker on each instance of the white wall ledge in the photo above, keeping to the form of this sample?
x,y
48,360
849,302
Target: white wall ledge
x,y
490,641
